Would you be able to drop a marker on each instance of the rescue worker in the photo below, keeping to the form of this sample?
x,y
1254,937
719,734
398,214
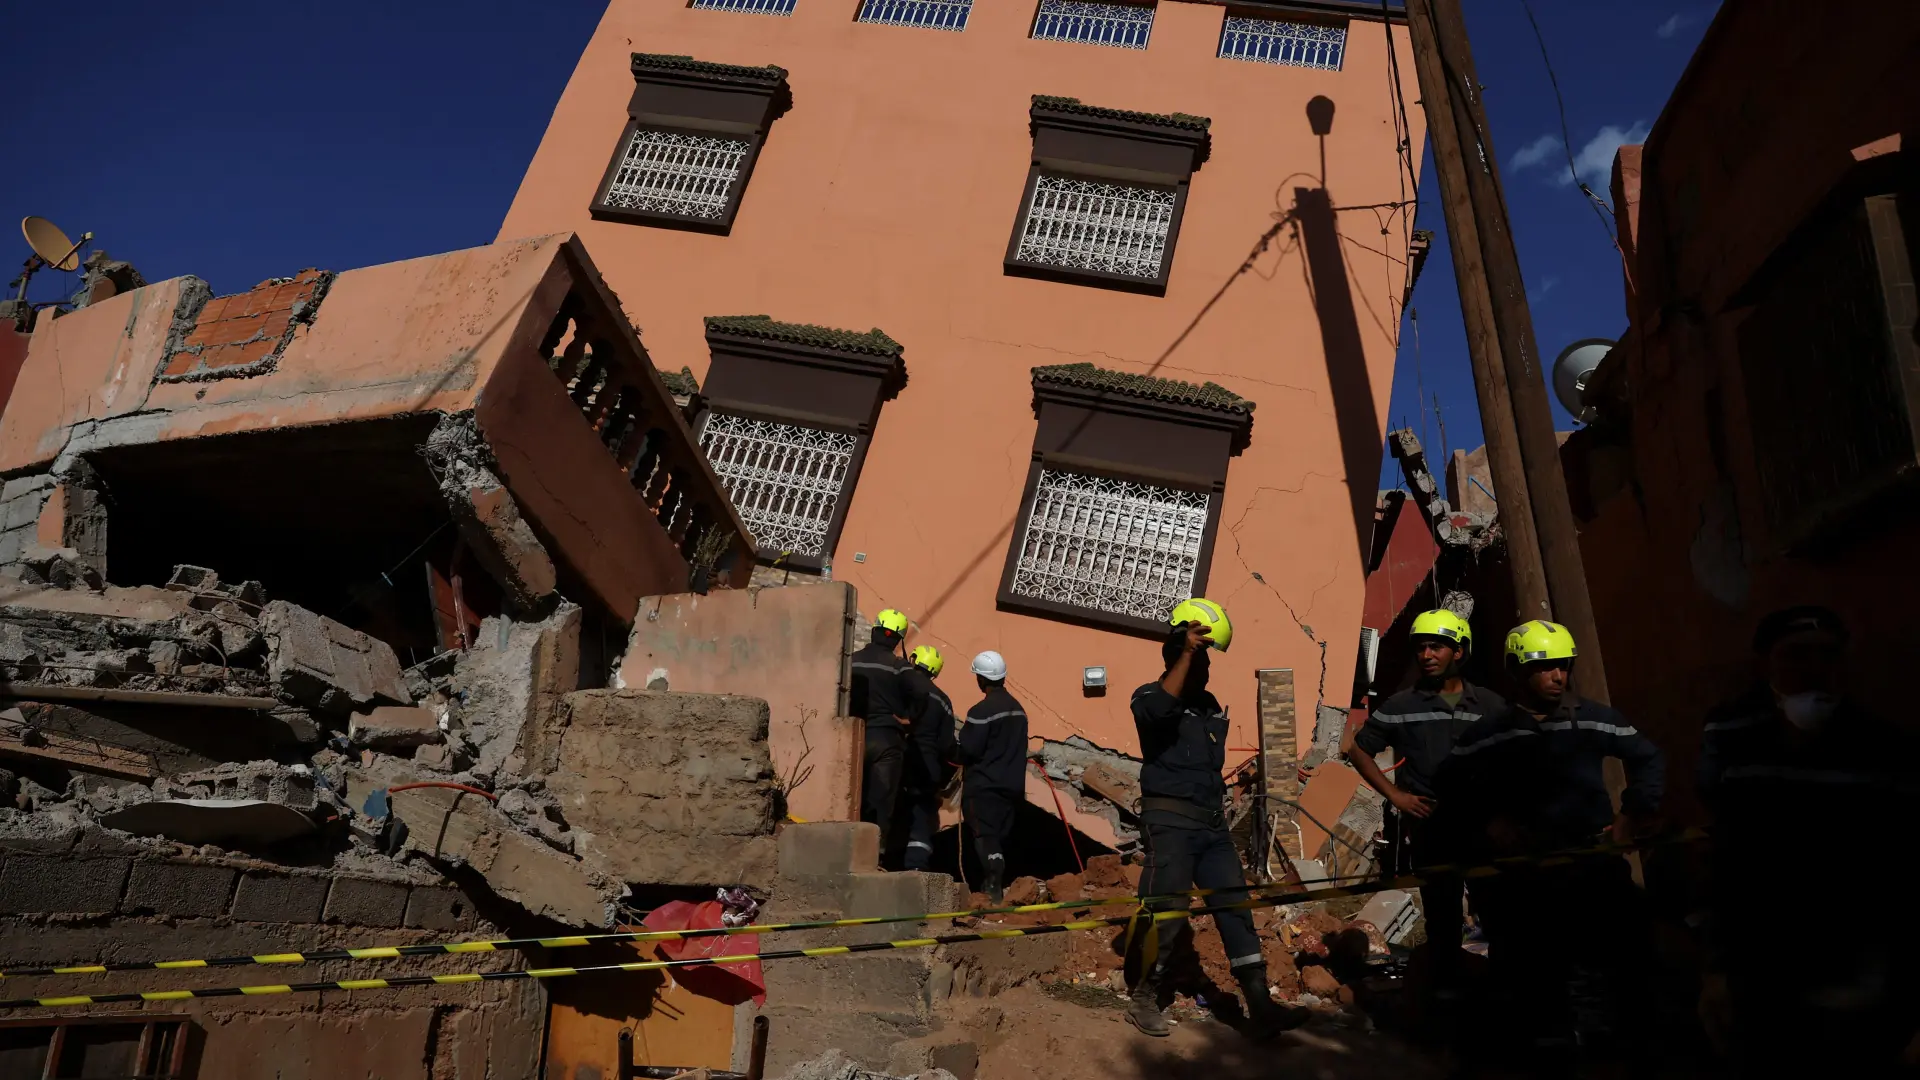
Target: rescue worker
x,y
1793,768
1421,724
1530,780
993,747
931,748
1183,747
881,695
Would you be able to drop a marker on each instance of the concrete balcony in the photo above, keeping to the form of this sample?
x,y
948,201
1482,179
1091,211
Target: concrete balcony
x,y
415,445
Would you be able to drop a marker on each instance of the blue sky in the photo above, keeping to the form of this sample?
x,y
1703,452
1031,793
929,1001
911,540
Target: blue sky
x,y
1617,61
240,141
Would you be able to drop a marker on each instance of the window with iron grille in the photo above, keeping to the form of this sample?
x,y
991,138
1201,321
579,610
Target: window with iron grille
x,y
1829,365
1123,496
664,172
1114,546
785,480
1105,193
1276,41
750,7
693,132
1125,26
931,14
1107,227
792,410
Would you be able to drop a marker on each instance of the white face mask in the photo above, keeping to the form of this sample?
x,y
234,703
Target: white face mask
x,y
1809,710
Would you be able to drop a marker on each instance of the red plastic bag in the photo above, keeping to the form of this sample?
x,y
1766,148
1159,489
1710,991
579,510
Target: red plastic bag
x,y
729,984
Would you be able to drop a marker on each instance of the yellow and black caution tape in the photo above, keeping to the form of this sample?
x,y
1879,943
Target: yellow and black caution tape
x,y
638,965
1405,881
393,952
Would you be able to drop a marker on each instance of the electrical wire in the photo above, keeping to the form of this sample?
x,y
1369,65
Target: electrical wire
x,y
1602,210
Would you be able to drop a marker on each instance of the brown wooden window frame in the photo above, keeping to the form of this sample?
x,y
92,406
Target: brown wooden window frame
x,y
161,1052
1086,143
1842,285
1132,435
799,375
677,95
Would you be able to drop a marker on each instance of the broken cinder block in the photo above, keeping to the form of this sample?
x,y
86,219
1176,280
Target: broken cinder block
x,y
394,727
462,828
324,665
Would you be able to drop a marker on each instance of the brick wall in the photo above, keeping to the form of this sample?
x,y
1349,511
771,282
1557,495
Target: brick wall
x,y
63,907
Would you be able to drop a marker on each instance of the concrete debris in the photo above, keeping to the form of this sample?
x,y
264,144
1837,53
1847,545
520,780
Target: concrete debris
x,y
394,727
321,664
246,824
669,788
1105,782
460,829
1393,912
836,1065
489,519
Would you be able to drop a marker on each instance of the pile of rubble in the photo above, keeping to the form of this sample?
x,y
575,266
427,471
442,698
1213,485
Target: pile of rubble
x,y
206,714
1314,958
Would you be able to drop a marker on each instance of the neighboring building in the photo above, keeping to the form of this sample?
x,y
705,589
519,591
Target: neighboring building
x,y
1755,441
1091,238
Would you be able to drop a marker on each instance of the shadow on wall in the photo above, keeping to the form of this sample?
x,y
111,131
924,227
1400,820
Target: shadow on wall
x,y
1318,229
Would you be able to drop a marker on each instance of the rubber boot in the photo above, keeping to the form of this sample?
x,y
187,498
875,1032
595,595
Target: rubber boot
x,y
1144,1011
992,884
1265,1017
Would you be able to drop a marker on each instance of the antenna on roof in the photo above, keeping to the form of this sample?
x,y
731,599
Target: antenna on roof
x,y
51,248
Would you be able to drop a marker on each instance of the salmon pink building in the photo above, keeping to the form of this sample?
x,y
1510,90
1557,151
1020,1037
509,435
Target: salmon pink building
x,y
1028,318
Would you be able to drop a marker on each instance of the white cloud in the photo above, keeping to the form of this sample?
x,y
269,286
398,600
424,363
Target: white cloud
x,y
1673,24
1594,162
1536,152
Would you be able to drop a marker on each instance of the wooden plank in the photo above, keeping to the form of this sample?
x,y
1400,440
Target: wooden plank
x,y
81,753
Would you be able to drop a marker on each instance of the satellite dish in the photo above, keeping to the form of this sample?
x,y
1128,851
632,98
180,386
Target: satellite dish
x,y
1571,370
51,244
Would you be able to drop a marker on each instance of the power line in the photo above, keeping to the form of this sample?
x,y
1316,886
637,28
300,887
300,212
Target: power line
x,y
1601,208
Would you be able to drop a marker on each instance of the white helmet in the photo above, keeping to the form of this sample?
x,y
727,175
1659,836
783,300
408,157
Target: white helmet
x,y
990,665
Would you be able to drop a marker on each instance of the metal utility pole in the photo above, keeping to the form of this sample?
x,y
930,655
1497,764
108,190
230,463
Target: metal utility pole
x,y
1543,546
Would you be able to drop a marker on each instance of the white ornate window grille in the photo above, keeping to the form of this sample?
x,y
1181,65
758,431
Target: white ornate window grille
x,y
1275,41
1094,225
1116,546
1125,26
784,479
750,7
931,14
665,173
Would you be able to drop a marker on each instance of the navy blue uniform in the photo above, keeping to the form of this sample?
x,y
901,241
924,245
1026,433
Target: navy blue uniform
x,y
881,695
1778,793
1566,942
932,752
1422,727
993,747
1183,744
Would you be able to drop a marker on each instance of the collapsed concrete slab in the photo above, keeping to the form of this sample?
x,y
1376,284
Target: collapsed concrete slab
x,y
325,665
462,829
669,788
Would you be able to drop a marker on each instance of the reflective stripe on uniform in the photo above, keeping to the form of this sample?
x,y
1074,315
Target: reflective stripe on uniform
x,y
871,666
972,719
1739,722
1587,725
1246,961
1422,717
1491,740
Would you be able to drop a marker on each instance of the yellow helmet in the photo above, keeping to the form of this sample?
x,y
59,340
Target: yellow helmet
x,y
891,620
1207,614
1445,625
1539,640
927,658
